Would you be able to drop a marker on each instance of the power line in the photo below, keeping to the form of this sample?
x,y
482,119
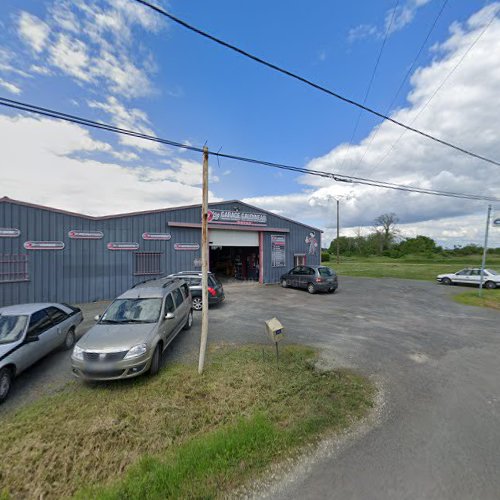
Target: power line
x,y
372,78
312,84
329,175
405,78
438,88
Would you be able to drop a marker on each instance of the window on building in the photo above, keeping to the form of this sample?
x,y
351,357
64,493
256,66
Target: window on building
x,y
13,267
147,263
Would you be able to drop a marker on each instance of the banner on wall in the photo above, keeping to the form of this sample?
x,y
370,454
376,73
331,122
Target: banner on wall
x,y
9,232
43,245
236,217
156,236
76,234
186,246
278,247
122,246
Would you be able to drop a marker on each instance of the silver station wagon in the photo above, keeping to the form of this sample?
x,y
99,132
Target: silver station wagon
x,y
133,332
29,332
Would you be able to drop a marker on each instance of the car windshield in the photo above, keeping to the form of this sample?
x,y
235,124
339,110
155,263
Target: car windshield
x,y
133,311
12,328
325,272
491,272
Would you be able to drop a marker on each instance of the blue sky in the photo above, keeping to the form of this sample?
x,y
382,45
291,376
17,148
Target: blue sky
x,y
115,61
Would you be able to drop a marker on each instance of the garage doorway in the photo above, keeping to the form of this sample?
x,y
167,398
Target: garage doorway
x,y
234,255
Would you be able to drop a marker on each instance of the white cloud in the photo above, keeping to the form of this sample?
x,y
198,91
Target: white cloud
x,y
465,111
362,31
33,31
13,89
94,44
132,119
65,181
395,20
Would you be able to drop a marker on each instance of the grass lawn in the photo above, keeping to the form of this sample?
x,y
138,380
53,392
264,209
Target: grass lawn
x,y
177,435
490,298
419,268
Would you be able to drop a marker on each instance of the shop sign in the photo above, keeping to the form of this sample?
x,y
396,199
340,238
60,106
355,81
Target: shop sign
x,y
156,236
123,246
9,232
278,250
187,246
76,234
236,217
44,245
496,220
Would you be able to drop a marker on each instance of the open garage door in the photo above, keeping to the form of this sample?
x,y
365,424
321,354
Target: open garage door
x,y
234,254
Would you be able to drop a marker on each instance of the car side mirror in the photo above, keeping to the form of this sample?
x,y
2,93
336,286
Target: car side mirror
x,y
32,338
97,317
170,315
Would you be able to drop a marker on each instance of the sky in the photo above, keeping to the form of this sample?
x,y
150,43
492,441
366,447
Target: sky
x,y
118,62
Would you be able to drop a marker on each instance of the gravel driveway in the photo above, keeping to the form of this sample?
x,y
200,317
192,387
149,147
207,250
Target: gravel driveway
x,y
439,362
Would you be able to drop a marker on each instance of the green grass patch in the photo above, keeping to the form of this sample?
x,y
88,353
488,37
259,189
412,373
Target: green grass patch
x,y
490,298
409,267
178,434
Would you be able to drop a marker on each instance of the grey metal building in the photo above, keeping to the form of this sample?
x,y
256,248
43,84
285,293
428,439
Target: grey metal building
x,y
48,254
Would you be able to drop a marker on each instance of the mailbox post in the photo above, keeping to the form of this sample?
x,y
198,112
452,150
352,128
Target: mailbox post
x,y
274,329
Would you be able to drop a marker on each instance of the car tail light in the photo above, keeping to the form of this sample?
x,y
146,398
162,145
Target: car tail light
x,y
211,291
319,280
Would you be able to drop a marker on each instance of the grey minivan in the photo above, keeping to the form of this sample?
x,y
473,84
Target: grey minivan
x,y
312,278
135,329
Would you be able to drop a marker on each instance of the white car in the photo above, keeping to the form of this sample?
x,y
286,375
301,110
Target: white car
x,y
491,279
30,331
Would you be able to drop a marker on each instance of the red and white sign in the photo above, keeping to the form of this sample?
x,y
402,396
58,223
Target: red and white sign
x,y
9,232
187,246
44,245
122,246
156,236
76,234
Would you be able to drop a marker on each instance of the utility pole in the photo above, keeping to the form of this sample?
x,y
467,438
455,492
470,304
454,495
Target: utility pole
x,y
204,263
485,249
338,232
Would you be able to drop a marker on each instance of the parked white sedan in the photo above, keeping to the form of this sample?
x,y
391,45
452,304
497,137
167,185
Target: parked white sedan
x,y
491,279
30,331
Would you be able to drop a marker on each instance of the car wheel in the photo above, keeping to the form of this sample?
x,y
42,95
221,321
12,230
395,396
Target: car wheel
x,y
490,285
155,362
197,303
70,339
447,281
189,321
5,383
283,283
310,288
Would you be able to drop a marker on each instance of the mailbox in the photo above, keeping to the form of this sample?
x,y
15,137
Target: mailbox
x,y
274,329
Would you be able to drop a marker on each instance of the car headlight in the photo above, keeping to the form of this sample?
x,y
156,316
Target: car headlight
x,y
137,350
78,352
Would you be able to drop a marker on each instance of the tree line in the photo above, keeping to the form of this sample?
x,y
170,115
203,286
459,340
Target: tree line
x,y
385,240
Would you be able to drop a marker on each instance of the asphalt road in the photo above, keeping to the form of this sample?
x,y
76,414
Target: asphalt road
x,y
439,362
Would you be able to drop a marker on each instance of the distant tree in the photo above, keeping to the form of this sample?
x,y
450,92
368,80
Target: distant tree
x,y
385,228
419,244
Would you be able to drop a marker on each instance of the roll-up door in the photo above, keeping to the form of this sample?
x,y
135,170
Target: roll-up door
x,y
230,238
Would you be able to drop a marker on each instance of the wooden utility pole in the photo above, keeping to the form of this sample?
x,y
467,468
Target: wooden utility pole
x,y
338,232
204,263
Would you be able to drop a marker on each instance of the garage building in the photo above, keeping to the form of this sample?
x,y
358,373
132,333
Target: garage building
x,y
48,254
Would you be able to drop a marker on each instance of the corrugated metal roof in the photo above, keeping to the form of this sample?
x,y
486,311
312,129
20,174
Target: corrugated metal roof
x,y
6,199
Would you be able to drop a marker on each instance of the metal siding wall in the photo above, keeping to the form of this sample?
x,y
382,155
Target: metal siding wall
x,y
87,271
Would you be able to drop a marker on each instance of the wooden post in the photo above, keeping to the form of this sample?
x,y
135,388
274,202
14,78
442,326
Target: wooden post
x,y
204,264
